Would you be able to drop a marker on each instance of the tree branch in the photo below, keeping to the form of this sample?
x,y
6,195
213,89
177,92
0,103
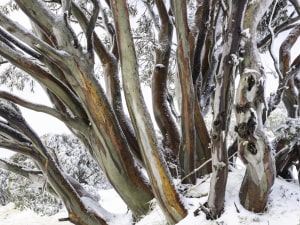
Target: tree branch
x,y
10,133
22,148
188,143
108,26
161,109
104,55
296,5
202,23
27,37
276,64
91,26
40,15
19,44
159,178
74,123
113,89
32,174
152,14
285,48
290,95
13,115
280,28
46,79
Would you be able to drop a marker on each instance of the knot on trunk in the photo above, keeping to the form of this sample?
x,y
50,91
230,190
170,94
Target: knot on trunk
x,y
247,121
217,126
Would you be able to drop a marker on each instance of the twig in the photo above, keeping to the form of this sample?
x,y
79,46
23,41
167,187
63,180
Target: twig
x,y
276,64
197,169
64,219
237,209
204,210
195,186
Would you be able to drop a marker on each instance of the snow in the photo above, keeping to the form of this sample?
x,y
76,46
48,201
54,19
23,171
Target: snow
x,y
11,216
246,33
283,207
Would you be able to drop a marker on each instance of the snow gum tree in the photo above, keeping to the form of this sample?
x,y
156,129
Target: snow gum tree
x,y
194,52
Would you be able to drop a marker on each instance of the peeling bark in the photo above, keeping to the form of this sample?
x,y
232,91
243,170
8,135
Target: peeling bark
x,y
155,165
222,106
253,146
188,142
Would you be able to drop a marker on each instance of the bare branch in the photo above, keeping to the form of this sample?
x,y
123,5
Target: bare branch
x,y
188,143
108,26
285,48
152,14
46,79
13,115
12,134
30,105
113,92
287,25
296,5
18,147
21,170
30,39
276,64
66,6
104,55
91,26
19,44
74,123
202,24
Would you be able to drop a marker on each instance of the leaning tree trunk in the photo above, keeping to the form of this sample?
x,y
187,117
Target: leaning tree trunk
x,y
89,112
253,146
188,144
158,174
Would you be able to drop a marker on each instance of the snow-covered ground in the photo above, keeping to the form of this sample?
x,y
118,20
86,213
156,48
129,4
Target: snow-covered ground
x,y
283,208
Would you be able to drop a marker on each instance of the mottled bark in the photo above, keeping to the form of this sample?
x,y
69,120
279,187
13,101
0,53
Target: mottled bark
x,y
96,116
220,43
253,146
188,142
291,93
222,106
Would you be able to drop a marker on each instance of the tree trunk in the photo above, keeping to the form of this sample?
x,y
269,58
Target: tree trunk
x,y
222,106
158,173
253,146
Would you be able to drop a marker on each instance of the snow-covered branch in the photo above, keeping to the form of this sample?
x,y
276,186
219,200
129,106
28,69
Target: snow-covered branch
x,y
10,133
30,39
72,122
9,39
45,78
